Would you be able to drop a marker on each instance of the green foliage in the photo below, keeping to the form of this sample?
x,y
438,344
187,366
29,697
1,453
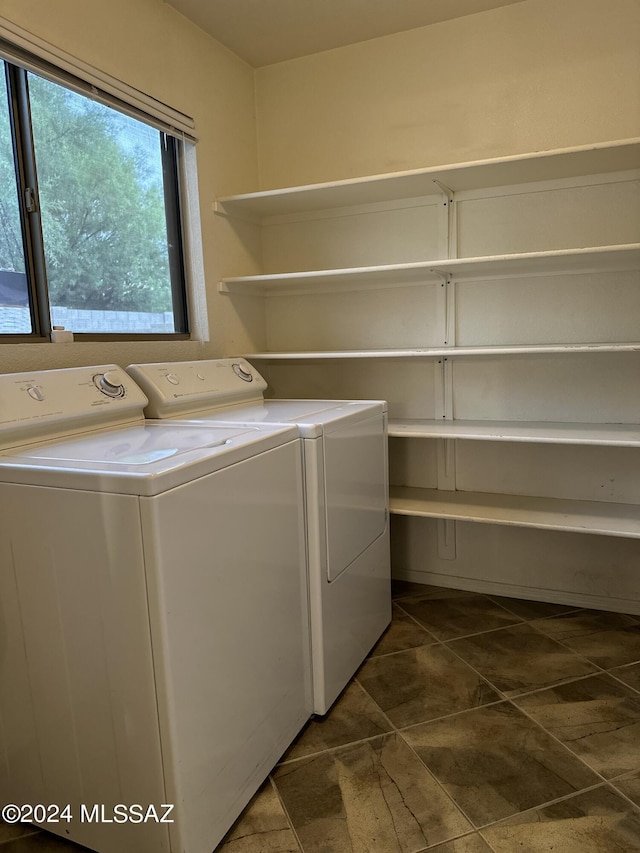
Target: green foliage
x,y
103,217
11,248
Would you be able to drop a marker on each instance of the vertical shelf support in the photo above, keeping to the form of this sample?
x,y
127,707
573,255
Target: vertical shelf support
x,y
446,538
443,389
447,307
447,464
446,456
449,225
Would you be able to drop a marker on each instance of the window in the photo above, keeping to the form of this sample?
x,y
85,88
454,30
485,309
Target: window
x,y
90,231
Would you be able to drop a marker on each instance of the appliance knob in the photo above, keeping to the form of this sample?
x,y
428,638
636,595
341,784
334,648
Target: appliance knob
x,y
35,393
242,373
109,384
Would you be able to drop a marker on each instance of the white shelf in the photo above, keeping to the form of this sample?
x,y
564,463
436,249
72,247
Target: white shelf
x,y
533,432
518,169
445,352
609,519
593,259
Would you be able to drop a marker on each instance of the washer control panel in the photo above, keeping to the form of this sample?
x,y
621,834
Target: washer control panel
x,y
48,403
188,387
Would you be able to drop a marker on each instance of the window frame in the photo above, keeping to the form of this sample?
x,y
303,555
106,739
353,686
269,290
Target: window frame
x,y
172,152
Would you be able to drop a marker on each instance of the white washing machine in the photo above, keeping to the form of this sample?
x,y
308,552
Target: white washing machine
x,y
346,498
154,637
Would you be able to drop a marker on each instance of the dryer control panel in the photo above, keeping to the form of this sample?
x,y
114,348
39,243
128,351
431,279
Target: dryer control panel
x,y
189,387
47,404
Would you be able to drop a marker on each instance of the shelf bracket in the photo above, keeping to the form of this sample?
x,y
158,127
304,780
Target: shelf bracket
x,y
240,290
220,210
445,190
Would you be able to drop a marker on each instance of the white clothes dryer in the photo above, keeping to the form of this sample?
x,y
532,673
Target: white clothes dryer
x,y
153,611
346,498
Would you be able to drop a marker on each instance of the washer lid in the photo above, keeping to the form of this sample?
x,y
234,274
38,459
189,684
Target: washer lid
x,y
139,460
312,417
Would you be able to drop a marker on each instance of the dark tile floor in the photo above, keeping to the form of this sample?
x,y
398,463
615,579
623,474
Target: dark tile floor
x,y
477,724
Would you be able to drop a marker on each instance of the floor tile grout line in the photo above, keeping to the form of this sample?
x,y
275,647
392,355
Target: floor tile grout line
x,y
393,728
624,777
37,830
416,620
476,671
378,706
465,636
477,828
618,679
442,788
441,642
332,749
460,713
492,849
561,683
561,743
454,713
599,670
570,608
492,599
597,772
274,788
432,847
502,607
584,657
401,651
620,793
522,620
505,820
484,679
544,805
436,590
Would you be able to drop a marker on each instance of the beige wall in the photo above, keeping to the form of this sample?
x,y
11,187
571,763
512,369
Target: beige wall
x,y
535,75
538,74
151,47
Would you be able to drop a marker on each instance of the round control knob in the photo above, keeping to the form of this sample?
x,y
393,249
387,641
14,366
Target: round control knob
x,y
173,379
242,373
109,384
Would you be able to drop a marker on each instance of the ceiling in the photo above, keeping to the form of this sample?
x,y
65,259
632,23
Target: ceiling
x,y
266,31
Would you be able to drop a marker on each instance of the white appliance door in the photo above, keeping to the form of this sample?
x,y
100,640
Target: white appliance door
x,y
229,618
355,460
